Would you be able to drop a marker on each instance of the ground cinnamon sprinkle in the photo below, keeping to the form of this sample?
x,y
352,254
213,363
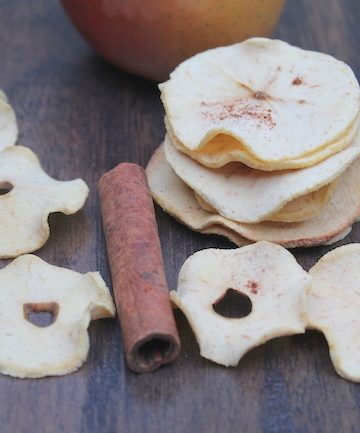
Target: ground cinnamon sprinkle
x,y
237,110
297,81
253,286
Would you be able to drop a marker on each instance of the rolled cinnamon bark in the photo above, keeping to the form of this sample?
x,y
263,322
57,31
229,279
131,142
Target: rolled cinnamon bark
x,y
141,294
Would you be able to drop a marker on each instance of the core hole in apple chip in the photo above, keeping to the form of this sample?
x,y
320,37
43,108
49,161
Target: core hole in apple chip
x,y
233,305
41,314
5,188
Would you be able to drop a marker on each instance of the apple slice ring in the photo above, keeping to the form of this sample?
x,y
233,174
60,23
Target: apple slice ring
x,y
224,149
300,209
333,307
246,195
28,196
28,285
239,240
279,102
266,273
339,214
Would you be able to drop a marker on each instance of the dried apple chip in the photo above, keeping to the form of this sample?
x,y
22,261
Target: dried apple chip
x,y
223,149
243,194
28,286
300,209
333,307
276,102
28,196
339,213
264,272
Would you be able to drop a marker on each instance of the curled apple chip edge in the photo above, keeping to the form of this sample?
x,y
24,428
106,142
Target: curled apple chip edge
x,y
32,195
246,195
264,272
224,149
240,241
265,93
333,307
30,285
304,207
338,215
300,209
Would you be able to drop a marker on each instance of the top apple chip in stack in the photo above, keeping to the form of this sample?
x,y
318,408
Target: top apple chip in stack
x,y
262,144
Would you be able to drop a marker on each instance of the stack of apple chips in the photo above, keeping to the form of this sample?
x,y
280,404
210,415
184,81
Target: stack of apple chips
x,y
262,144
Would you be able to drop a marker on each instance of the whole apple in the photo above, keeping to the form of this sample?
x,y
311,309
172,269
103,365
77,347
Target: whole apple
x,y
151,37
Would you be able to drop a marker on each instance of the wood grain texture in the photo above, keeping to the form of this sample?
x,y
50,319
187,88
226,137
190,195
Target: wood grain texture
x,y
82,117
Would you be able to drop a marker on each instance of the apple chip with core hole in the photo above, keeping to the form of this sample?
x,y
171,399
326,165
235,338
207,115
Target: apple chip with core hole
x,y
277,102
8,125
339,213
27,197
333,307
29,288
267,274
246,195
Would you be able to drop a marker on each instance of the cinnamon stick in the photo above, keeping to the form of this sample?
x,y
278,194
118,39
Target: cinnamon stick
x,y
141,294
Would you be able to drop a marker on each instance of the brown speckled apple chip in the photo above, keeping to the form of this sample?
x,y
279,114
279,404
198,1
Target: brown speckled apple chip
x,y
333,307
266,273
263,102
29,286
28,196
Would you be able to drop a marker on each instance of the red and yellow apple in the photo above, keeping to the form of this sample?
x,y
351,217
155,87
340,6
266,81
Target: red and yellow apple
x,y
151,37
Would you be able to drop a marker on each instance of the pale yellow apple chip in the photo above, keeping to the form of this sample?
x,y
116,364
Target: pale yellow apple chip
x,y
8,125
279,102
241,241
304,207
342,235
28,286
223,149
339,213
220,230
333,307
243,194
299,209
266,273
29,196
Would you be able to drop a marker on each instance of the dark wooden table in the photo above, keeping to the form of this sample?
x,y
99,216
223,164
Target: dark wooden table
x,y
82,117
